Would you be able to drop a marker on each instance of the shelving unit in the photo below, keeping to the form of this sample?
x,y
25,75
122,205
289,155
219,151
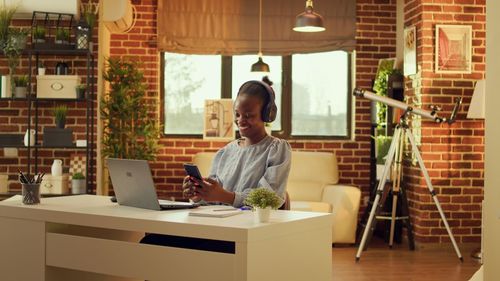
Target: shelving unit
x,y
33,107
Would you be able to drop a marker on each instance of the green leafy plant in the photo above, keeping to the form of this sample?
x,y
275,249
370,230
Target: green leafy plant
x,y
262,198
6,14
383,144
39,32
129,131
78,176
62,34
60,113
21,81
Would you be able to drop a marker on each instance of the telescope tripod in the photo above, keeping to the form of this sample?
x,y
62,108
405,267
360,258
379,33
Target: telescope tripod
x,y
395,155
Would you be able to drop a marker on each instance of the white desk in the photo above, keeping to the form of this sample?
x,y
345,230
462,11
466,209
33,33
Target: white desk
x,y
87,237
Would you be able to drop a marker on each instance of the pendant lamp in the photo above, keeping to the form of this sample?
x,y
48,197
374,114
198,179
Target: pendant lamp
x,y
309,21
260,65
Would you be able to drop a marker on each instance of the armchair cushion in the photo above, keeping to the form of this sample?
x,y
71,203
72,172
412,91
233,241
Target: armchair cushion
x,y
311,206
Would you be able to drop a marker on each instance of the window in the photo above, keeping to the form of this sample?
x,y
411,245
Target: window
x,y
320,91
188,81
312,91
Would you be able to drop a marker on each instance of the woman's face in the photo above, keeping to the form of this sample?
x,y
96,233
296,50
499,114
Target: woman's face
x,y
247,113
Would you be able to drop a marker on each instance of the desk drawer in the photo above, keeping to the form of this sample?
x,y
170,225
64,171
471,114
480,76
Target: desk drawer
x,y
135,260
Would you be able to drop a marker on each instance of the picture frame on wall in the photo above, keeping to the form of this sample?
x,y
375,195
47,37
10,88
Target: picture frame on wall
x,y
218,119
453,49
410,51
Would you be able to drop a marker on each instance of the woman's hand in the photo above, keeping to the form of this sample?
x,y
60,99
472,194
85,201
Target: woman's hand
x,y
211,190
189,189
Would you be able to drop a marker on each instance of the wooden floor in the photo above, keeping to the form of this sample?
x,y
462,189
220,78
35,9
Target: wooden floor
x,y
381,263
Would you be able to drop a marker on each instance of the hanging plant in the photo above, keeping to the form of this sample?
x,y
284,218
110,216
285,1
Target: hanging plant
x,y
129,132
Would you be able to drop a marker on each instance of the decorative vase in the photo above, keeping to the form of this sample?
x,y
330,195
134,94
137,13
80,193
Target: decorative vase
x,y
30,134
56,168
263,214
20,92
78,186
60,123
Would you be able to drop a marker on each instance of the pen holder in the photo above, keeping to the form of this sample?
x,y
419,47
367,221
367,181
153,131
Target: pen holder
x,y
31,193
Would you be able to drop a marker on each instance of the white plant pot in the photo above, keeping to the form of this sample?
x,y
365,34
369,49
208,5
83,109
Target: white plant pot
x,y
41,71
263,214
78,186
20,92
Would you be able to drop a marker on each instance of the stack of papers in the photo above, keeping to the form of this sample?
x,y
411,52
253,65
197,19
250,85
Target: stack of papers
x,y
219,212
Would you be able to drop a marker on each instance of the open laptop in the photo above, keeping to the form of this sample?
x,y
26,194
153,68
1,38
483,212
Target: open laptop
x,y
133,185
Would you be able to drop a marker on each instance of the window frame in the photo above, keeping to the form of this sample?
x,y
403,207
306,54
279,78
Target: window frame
x,y
286,100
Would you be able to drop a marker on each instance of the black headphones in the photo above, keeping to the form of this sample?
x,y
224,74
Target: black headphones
x,y
269,109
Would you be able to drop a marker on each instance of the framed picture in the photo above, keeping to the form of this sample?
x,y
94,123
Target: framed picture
x,y
410,51
453,49
218,119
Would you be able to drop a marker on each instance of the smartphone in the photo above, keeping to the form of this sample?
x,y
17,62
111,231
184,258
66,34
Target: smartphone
x,y
192,170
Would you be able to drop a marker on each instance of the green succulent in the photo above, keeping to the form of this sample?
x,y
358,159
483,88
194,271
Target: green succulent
x,y
78,176
262,198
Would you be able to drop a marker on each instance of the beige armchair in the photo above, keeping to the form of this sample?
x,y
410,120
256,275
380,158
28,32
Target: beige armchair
x,y
313,186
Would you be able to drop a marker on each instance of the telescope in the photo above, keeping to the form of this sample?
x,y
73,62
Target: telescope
x,y
409,109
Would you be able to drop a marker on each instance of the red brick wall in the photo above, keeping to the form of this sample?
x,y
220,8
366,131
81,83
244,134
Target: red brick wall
x,y
453,154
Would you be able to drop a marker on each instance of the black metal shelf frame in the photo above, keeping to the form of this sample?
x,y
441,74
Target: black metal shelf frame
x,y
89,149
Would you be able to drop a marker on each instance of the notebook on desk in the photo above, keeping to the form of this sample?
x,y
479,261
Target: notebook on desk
x,y
133,185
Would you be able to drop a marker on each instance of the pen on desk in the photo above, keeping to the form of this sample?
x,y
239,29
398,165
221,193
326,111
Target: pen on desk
x,y
225,209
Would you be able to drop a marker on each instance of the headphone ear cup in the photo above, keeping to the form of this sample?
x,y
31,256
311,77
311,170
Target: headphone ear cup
x,y
269,112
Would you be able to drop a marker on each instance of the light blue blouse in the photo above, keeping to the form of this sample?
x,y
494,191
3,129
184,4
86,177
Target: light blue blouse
x,y
241,169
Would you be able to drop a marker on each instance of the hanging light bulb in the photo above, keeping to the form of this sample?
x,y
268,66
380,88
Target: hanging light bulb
x,y
309,21
260,65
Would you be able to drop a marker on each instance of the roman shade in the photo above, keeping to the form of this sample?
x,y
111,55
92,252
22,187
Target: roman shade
x,y
230,27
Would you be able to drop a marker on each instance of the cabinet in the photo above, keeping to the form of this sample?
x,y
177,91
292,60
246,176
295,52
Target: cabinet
x,y
38,114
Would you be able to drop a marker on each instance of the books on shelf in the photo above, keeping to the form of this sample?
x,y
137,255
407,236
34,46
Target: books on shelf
x,y
216,212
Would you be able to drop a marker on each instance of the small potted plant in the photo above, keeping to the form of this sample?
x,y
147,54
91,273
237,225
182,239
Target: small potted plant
x,y
62,36
60,113
80,91
41,68
21,86
78,183
263,200
39,34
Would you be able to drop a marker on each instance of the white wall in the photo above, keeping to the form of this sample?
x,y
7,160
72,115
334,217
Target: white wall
x,y
492,152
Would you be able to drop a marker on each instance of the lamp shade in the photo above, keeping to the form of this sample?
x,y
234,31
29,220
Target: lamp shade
x,y
260,66
309,21
477,103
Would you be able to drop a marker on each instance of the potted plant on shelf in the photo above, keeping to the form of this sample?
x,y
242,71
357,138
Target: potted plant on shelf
x,y
78,185
263,200
62,36
60,113
80,91
21,86
39,34
41,68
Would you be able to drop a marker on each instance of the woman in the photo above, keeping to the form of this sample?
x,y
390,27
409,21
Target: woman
x,y
254,160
